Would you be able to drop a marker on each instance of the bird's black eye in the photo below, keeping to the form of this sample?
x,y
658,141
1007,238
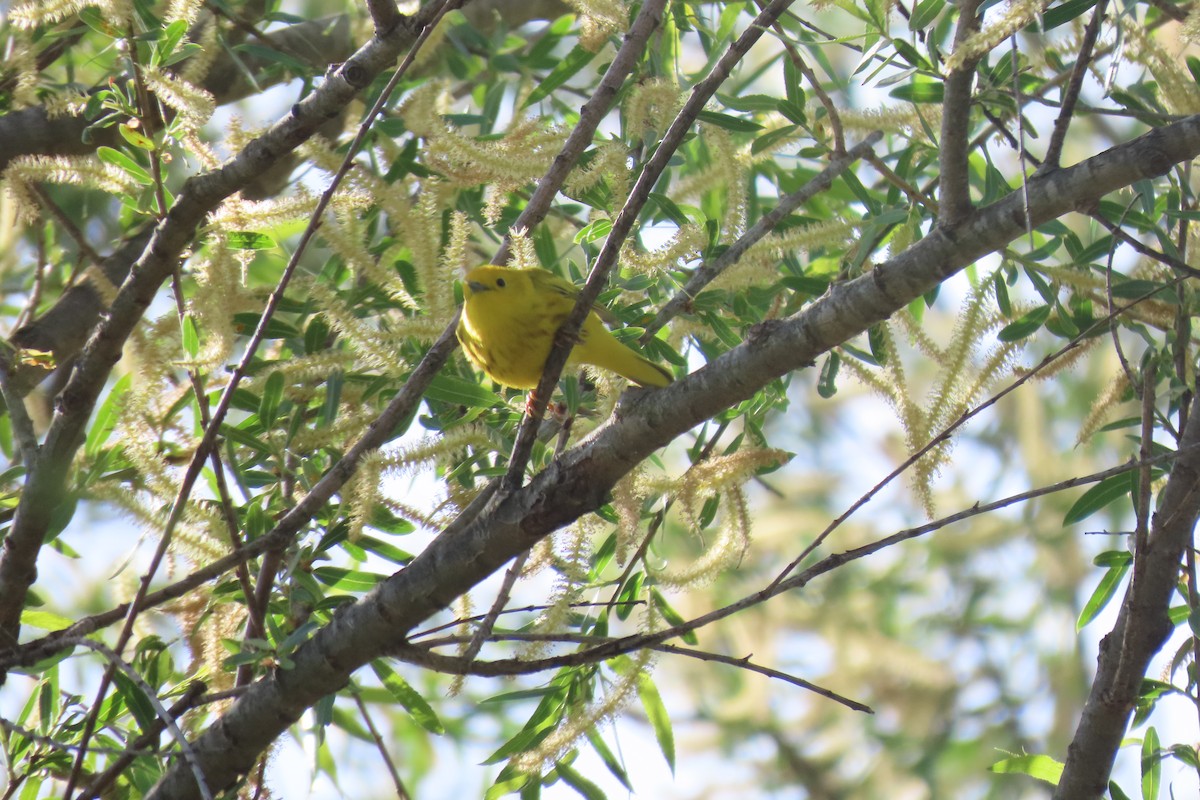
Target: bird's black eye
x,y
500,282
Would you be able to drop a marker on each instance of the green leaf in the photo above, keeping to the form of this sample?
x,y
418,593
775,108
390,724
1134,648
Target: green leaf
x,y
106,416
627,599
1025,325
919,91
594,230
524,694
134,138
1064,12
1106,491
1186,754
1193,65
909,53
421,712
1042,285
126,164
656,713
574,61
1044,768
97,21
135,700
792,112
246,322
1001,290
1136,288
925,13
384,550
45,620
768,139
456,391
729,123
606,755
249,240
506,787
348,580
807,283
168,40
577,782
333,395
673,617
1104,592
272,396
668,208
189,335
1151,765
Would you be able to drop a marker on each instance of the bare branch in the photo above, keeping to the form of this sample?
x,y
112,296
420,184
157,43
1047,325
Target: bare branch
x,y
955,201
1071,94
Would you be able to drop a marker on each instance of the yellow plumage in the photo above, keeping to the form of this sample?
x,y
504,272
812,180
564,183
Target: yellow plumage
x,y
509,320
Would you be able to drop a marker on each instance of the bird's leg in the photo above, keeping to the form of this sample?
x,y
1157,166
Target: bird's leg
x,y
530,402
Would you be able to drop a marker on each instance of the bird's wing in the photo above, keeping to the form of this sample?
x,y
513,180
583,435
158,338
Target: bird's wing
x,y
561,287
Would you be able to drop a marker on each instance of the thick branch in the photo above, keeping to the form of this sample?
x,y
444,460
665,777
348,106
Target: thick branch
x,y
1141,630
579,481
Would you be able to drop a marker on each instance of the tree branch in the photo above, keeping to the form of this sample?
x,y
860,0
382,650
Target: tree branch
x,y
579,481
955,200
1141,629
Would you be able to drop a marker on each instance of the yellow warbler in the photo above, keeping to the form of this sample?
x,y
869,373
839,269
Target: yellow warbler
x,y
509,320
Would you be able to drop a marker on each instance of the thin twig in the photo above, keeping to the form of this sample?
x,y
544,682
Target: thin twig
x,y
456,665
514,571
85,248
1184,270
1115,332
747,664
911,192
1071,94
380,745
610,648
1020,117
835,120
530,609
1183,319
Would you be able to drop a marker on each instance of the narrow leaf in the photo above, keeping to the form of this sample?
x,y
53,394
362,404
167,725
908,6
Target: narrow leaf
x,y
405,695
656,713
1044,768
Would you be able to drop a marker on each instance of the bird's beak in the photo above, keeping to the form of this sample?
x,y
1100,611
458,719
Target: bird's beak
x,y
476,286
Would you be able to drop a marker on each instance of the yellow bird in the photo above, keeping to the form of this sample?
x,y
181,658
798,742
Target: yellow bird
x,y
509,320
